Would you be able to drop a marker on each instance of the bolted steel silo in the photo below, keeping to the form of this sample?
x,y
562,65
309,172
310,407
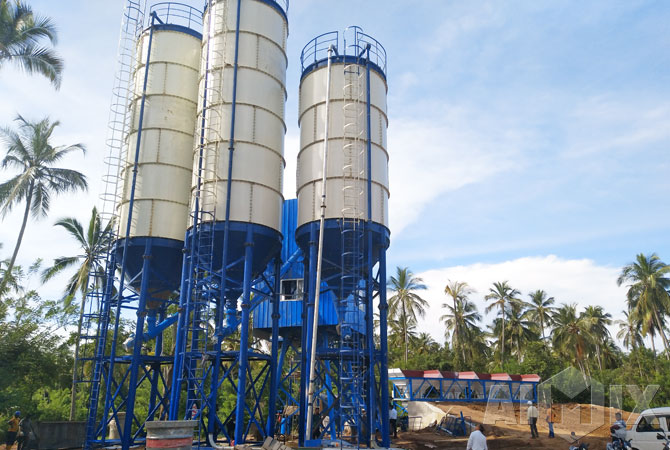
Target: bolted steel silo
x,y
162,126
241,118
357,185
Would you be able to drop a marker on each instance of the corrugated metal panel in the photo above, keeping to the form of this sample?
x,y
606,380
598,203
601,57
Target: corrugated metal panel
x,y
291,310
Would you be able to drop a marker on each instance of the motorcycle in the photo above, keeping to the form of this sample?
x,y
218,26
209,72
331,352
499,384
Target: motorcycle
x,y
619,444
666,443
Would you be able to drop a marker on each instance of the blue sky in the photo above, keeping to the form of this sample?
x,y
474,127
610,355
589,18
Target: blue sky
x,y
529,140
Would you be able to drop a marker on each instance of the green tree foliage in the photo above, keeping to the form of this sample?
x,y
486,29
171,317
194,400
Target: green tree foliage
x,y
22,34
502,295
405,305
30,151
648,283
35,357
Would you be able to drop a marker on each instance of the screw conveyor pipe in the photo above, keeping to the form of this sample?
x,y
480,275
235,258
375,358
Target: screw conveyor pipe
x,y
319,258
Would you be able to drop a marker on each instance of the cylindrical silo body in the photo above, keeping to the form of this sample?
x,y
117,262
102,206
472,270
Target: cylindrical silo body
x,y
246,97
163,115
357,185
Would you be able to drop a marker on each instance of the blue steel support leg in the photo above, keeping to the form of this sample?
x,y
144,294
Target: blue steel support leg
x,y
275,369
305,351
370,385
331,400
108,395
126,435
383,350
244,340
180,348
103,326
155,367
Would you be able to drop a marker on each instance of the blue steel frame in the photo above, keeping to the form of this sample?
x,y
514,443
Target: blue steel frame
x,y
211,285
505,391
332,366
122,375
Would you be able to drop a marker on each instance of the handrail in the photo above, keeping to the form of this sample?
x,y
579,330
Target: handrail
x,y
175,13
354,44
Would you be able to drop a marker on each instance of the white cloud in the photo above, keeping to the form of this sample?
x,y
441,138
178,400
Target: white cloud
x,y
579,281
446,149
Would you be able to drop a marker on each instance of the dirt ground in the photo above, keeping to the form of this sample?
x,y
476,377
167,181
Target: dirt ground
x,y
504,430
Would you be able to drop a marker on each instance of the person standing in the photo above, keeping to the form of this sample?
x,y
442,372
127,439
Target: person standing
x,y
12,430
550,421
532,415
393,418
477,439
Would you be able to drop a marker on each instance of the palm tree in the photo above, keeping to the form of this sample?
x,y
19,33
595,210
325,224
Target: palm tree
x,y
21,33
572,334
520,329
648,292
540,310
629,331
459,320
458,291
94,244
406,305
598,320
30,151
502,294
424,343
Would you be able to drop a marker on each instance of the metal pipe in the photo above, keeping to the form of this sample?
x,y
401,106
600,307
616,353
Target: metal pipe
x,y
243,363
319,257
180,341
275,370
126,434
230,310
369,316
383,349
128,226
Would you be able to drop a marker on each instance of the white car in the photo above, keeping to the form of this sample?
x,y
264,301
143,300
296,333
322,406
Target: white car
x,y
644,435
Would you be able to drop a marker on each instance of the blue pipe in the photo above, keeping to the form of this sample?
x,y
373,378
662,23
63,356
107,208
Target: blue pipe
x,y
383,347
131,204
275,369
126,434
244,340
180,341
289,262
307,323
368,283
231,304
155,368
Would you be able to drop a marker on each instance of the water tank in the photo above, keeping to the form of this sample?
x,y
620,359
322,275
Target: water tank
x,y
347,170
160,207
257,165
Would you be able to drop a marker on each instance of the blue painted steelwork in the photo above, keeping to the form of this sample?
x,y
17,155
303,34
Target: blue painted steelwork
x,y
150,270
462,390
314,54
348,363
225,260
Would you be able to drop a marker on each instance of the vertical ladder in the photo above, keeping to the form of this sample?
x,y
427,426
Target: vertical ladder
x,y
204,283
352,364
100,297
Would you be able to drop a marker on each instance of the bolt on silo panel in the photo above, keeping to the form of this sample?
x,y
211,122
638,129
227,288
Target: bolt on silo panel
x,y
165,161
